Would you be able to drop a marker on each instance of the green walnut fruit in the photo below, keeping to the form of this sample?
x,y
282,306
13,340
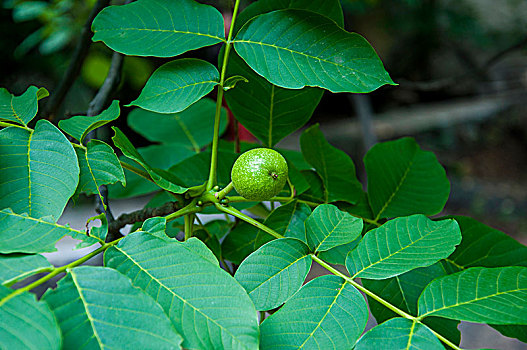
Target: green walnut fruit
x,y
259,174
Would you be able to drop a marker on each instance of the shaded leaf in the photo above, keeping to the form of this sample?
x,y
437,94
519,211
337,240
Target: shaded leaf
x,y
326,313
288,219
328,227
161,178
273,273
176,85
20,233
401,245
165,28
231,82
27,323
404,180
269,112
195,293
308,49
39,170
97,307
16,267
336,169
98,166
20,109
194,171
478,294
316,191
191,128
399,334
337,255
79,126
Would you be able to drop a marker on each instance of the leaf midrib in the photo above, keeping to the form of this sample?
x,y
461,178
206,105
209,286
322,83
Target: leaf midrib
x,y
163,31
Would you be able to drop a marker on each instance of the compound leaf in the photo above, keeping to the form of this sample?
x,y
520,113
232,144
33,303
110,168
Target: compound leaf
x,y
161,28
176,85
327,313
274,272
97,307
401,245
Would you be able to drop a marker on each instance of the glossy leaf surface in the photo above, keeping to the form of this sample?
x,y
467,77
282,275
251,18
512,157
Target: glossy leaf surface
x,y
308,49
274,272
405,180
97,307
326,313
39,170
164,28
401,245
176,85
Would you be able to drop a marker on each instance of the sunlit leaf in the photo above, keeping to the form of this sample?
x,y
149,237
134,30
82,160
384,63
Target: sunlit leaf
x,y
15,267
20,109
164,28
274,272
97,307
39,170
401,245
176,85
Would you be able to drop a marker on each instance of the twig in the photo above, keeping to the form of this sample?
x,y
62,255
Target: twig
x,y
141,215
440,84
74,68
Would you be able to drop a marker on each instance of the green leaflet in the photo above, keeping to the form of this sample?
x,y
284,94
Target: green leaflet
x,y
20,109
97,307
163,29
39,170
20,233
176,85
336,169
399,334
27,323
79,126
404,180
327,313
98,166
287,38
160,177
15,267
274,272
195,293
478,294
328,227
191,128
401,245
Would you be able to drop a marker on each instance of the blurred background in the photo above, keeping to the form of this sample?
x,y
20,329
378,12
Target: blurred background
x,y
461,66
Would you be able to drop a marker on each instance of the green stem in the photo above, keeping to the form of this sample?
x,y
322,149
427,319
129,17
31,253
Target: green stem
x,y
189,219
58,270
220,195
7,125
379,299
191,208
215,141
248,219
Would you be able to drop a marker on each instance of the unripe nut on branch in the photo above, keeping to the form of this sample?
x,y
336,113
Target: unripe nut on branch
x,y
259,174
